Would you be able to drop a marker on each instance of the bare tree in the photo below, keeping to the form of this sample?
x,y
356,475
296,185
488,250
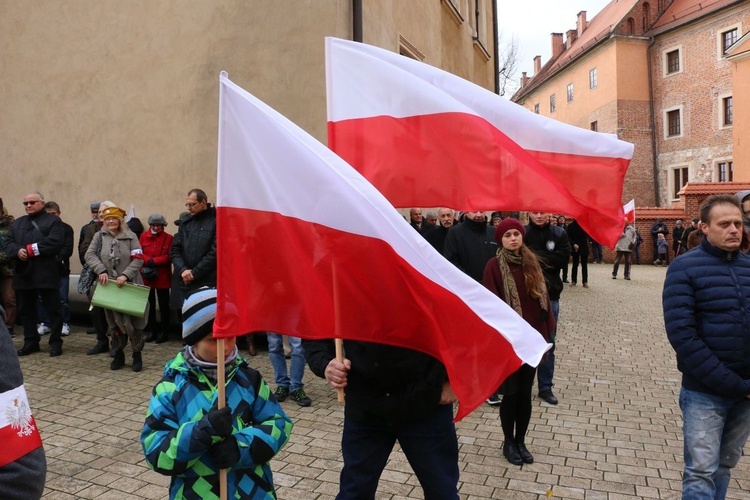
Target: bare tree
x,y
508,58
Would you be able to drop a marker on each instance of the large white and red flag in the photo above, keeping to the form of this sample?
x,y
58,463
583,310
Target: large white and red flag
x,y
427,138
629,209
307,247
19,434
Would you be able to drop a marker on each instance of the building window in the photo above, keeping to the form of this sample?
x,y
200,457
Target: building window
x,y
570,92
724,171
595,126
646,16
536,108
674,127
552,103
728,38
631,26
679,179
673,62
726,112
593,79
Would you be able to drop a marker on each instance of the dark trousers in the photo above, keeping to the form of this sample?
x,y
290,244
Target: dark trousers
x,y
515,410
164,311
596,250
583,258
27,310
622,255
99,320
430,446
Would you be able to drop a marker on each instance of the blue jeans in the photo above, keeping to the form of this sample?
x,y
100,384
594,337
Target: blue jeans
x,y
64,307
278,361
546,369
430,446
715,430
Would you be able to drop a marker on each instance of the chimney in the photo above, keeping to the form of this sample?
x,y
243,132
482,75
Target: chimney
x,y
557,44
537,65
581,25
571,37
524,79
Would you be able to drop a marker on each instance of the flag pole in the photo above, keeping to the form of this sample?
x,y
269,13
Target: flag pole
x,y
339,343
221,403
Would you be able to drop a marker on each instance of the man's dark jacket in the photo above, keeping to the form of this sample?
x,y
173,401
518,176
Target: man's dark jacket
x,y
707,318
552,246
194,247
436,237
63,258
41,271
85,237
577,236
386,384
469,245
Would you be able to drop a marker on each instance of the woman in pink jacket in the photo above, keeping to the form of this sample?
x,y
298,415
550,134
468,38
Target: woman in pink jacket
x,y
157,273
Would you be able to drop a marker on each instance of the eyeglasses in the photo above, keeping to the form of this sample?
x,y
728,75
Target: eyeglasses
x,y
27,203
191,204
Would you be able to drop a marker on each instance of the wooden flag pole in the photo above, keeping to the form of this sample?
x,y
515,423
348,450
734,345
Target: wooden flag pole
x,y
221,403
339,343
340,359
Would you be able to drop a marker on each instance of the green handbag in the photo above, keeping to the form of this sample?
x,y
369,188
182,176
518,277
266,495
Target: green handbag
x,y
129,299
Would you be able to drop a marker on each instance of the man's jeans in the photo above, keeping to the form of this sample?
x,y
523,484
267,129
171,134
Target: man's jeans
x,y
278,361
715,430
64,306
546,368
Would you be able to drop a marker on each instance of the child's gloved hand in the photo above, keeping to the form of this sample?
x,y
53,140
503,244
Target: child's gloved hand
x,y
221,421
225,453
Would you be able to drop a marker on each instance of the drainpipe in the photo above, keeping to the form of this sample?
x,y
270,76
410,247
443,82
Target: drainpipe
x,y
654,156
496,41
357,20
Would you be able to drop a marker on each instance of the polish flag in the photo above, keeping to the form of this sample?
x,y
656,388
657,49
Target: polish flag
x,y
307,247
427,138
629,209
19,434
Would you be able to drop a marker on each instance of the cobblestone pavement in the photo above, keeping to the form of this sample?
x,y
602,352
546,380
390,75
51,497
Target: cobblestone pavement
x,y
616,433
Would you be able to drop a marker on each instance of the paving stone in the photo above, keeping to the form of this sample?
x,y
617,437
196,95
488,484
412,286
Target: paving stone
x,y
617,432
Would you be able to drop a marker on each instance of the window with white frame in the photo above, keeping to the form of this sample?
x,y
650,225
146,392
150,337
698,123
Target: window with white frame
x,y
570,92
593,78
724,172
672,61
728,38
678,181
726,111
552,103
672,119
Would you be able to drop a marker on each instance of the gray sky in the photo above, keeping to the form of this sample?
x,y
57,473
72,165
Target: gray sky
x,y
532,21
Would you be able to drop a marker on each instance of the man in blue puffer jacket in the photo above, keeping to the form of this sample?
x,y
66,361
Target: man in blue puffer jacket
x,y
706,302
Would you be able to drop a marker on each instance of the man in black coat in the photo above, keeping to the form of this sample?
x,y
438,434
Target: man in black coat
x,y
579,241
436,236
470,244
193,252
35,240
552,246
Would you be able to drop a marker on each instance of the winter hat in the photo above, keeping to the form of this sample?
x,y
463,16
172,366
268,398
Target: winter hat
x,y
116,212
198,314
157,220
505,226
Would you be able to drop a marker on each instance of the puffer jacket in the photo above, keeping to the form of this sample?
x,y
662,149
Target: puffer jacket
x,y
119,255
177,433
706,301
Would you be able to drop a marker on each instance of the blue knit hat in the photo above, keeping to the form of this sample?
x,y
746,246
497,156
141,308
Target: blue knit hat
x,y
198,314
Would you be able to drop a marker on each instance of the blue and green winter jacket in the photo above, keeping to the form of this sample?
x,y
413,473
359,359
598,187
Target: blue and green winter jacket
x,y
177,433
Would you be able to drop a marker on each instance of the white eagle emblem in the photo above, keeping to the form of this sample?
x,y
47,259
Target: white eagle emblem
x,y
19,416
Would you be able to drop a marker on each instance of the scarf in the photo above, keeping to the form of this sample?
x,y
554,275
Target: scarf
x,y
510,290
210,369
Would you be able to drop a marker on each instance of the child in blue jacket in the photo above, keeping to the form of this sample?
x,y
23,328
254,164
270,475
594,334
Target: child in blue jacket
x,y
186,437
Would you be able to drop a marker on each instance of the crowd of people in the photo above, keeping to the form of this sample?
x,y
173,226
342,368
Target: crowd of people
x,y
393,394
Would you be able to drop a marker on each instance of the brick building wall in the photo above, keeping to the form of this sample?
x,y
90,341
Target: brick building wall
x,y
634,126
697,91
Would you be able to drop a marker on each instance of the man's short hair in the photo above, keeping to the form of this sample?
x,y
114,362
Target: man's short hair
x,y
717,199
38,194
200,195
52,205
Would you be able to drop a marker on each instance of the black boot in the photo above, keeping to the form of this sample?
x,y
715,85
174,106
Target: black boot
x,y
137,362
118,360
525,454
510,452
99,348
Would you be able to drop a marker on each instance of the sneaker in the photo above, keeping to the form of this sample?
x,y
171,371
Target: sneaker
x,y
65,330
42,329
494,400
300,397
281,393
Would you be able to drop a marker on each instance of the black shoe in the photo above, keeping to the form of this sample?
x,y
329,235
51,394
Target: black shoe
x,y
548,397
526,455
299,397
118,361
55,351
99,348
137,362
566,281
510,452
28,349
627,278
494,400
281,393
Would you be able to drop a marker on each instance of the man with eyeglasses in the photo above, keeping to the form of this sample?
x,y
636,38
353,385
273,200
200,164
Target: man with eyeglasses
x,y
34,241
193,250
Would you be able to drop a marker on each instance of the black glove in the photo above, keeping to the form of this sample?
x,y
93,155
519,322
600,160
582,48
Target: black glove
x,y
221,421
150,263
225,453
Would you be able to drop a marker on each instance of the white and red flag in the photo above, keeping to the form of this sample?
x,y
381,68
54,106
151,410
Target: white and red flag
x,y
19,434
427,138
307,247
629,209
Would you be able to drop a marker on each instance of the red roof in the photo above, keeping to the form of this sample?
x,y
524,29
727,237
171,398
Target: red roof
x,y
714,188
681,12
